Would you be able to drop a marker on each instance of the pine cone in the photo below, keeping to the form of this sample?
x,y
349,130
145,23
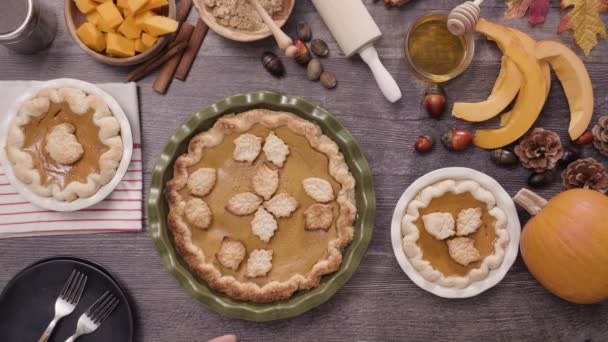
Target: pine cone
x,y
540,150
395,3
600,135
586,173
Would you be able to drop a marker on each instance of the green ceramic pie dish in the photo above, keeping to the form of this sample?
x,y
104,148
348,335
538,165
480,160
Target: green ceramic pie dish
x,y
301,301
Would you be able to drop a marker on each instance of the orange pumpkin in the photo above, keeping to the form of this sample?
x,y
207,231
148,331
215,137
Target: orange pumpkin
x,y
565,245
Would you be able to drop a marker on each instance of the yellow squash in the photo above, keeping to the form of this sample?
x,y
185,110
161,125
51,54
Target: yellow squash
x,y
574,77
565,245
531,96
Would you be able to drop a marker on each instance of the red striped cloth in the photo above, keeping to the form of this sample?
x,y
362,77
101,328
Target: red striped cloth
x,y
121,211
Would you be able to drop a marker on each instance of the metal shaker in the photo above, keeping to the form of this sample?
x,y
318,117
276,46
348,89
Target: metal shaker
x,y
26,26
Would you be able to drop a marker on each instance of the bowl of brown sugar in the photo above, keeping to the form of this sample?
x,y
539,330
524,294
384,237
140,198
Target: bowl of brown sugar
x,y
238,20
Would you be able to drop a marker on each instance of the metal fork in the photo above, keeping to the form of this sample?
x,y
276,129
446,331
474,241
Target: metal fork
x,y
67,301
95,315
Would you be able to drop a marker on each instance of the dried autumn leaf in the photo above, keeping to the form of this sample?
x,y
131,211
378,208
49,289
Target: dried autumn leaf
x,y
584,21
518,8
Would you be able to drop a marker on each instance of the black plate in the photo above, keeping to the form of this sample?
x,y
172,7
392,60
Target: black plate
x,y
27,303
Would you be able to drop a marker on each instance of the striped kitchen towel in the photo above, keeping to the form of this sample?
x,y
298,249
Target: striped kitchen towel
x,y
121,211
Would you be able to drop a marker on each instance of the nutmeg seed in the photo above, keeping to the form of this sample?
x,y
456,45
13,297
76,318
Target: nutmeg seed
x,y
540,179
457,139
304,31
328,79
424,144
503,157
314,69
302,54
434,101
319,47
272,63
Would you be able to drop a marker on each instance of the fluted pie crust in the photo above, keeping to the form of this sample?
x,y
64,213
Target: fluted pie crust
x,y
80,104
410,232
204,266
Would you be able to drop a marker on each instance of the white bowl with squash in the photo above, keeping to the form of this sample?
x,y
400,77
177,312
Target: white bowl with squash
x,y
121,32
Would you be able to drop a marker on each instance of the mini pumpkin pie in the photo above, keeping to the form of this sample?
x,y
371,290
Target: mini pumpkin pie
x,y
64,143
454,233
261,205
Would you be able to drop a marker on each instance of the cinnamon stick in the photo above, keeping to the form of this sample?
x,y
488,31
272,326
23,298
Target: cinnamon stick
x,y
194,44
162,81
183,9
153,64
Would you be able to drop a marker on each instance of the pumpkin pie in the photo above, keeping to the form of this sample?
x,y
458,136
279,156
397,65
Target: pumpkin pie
x,y
64,143
454,233
274,205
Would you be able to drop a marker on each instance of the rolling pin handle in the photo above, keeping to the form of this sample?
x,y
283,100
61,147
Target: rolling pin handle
x,y
385,81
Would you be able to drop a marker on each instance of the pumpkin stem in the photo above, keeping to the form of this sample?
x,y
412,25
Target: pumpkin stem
x,y
530,201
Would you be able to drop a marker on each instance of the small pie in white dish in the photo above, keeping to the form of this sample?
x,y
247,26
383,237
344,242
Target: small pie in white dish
x,y
453,233
64,143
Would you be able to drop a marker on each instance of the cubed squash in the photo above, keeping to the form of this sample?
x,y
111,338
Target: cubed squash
x,y
94,18
158,25
153,4
85,6
91,37
110,14
148,40
139,18
129,29
122,3
140,46
136,5
104,26
119,46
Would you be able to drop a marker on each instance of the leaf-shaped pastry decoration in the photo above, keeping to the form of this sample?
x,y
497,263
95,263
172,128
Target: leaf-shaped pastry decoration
x,y
584,21
518,8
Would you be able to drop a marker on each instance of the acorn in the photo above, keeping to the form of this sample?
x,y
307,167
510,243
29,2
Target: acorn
x,y
304,31
585,139
540,179
319,47
314,69
503,157
272,63
434,101
302,54
571,153
328,79
457,139
424,144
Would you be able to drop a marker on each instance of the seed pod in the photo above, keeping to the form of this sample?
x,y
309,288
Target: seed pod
x,y
319,47
434,100
502,157
314,69
571,153
457,139
424,144
273,64
302,54
585,139
328,79
540,179
303,30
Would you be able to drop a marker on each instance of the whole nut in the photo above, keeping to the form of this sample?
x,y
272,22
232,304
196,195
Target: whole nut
x,y
457,139
424,144
503,157
302,54
328,79
272,63
540,179
585,139
304,31
314,69
319,47
434,101
571,153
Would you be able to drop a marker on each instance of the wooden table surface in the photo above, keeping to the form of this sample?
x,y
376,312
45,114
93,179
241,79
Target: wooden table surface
x,y
379,303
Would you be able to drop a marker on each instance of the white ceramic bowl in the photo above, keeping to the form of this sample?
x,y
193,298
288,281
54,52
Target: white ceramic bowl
x,y
80,203
503,201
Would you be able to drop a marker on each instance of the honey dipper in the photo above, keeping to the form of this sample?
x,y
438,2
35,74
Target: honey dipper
x,y
463,18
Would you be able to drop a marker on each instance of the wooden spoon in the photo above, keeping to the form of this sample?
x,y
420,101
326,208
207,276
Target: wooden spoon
x,y
283,40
